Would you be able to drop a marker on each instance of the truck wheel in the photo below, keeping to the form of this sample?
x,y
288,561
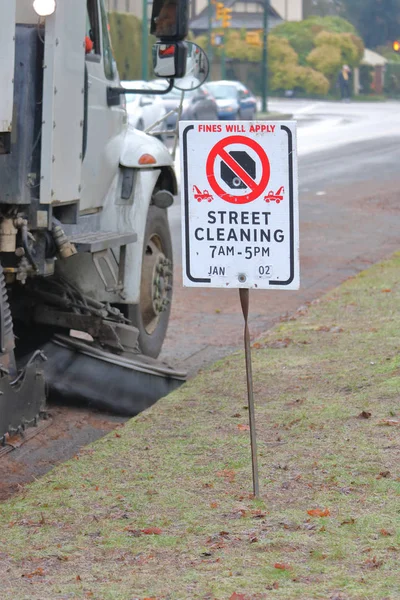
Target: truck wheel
x,y
151,315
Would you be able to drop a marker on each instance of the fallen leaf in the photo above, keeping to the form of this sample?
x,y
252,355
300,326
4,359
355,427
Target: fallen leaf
x,y
256,345
385,291
384,474
350,521
373,563
389,422
117,435
236,415
364,415
258,514
236,596
253,539
282,566
319,512
214,504
78,578
385,532
207,485
227,474
39,572
274,586
151,531
243,427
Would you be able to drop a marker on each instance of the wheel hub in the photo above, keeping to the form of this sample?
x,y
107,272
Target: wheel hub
x,y
156,284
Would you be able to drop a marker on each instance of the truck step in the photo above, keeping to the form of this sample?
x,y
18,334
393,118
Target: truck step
x,y
97,241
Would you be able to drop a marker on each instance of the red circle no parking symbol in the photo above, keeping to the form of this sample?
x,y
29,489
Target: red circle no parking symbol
x,y
241,174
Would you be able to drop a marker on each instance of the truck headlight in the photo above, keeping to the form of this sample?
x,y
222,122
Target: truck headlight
x,y
44,8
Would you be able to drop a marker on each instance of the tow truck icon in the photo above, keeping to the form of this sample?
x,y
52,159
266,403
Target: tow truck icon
x,y
202,195
278,197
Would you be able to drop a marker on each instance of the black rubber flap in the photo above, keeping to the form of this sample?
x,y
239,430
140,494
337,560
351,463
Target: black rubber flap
x,y
77,374
21,404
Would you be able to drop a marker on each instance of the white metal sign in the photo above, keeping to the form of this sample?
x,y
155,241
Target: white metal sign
x,y
240,204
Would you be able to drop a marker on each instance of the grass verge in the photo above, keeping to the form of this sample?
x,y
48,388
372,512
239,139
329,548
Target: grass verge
x,y
162,508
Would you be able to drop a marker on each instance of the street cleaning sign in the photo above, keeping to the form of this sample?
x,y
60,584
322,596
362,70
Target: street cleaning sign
x,y
240,204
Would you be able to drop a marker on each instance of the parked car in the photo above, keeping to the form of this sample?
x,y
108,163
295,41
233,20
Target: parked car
x,y
198,105
144,109
234,100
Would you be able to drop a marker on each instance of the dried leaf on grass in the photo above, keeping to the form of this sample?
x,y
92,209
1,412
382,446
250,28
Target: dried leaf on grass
x,y
151,531
389,422
243,427
319,512
373,563
385,532
228,474
282,566
39,572
364,415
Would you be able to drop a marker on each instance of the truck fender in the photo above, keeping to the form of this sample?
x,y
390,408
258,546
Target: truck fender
x,y
137,144
128,217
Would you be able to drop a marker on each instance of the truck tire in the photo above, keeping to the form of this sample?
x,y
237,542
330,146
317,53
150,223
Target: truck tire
x,y
151,315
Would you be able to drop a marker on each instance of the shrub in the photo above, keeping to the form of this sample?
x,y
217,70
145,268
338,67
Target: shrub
x,y
301,35
326,59
311,81
351,53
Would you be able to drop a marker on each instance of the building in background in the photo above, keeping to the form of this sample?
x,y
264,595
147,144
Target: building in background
x,y
288,10
246,14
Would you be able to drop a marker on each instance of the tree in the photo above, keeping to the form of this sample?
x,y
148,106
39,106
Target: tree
x,y
378,21
301,35
332,50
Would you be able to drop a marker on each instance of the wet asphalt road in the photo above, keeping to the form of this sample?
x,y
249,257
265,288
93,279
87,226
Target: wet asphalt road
x,y
349,218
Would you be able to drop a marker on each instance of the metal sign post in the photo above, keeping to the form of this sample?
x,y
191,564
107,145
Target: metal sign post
x,y
240,215
244,301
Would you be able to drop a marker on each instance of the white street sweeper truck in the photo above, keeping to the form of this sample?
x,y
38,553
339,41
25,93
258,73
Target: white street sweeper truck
x,y
85,248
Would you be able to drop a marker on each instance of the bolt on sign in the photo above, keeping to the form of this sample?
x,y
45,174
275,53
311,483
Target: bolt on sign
x,y
240,204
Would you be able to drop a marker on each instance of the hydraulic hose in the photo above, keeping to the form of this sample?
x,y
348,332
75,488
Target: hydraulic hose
x,y
25,244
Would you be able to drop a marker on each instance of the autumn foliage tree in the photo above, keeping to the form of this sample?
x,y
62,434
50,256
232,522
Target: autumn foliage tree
x,y
332,50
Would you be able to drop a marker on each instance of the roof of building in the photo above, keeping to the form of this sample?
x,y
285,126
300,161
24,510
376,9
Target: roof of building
x,y
240,20
373,59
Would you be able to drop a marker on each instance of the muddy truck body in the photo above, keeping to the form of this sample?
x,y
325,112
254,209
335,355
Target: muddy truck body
x,y
85,247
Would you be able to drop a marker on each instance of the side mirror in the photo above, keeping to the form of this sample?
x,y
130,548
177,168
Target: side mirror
x,y
170,20
169,60
186,62
197,69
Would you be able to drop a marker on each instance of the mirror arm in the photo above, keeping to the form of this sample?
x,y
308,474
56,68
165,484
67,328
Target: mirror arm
x,y
113,93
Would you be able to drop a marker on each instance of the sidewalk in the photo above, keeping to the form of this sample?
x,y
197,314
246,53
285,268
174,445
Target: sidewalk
x,y
162,508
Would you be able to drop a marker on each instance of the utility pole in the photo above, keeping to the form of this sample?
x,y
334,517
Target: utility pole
x,y
264,61
145,42
210,24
